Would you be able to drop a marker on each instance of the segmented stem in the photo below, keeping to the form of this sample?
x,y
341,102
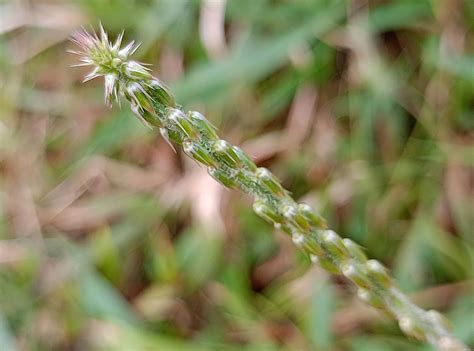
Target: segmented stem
x,y
152,103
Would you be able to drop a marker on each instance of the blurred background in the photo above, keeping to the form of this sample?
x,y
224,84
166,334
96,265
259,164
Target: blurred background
x,y
109,240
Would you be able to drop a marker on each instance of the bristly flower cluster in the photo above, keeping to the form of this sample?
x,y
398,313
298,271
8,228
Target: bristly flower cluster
x,y
147,95
107,59
153,103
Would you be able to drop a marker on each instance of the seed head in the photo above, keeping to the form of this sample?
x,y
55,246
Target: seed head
x,y
107,59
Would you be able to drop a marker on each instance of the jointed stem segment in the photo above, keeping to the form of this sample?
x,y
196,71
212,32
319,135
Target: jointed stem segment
x,y
152,103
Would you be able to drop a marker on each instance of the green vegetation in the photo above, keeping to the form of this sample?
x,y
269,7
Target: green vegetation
x,y
110,241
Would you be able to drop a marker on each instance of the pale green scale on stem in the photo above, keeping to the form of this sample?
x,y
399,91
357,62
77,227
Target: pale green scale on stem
x,y
152,103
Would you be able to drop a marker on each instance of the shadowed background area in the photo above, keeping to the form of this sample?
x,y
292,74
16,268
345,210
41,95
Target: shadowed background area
x,y
109,240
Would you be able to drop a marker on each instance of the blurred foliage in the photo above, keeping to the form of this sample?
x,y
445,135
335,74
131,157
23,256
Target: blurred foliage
x,y
110,241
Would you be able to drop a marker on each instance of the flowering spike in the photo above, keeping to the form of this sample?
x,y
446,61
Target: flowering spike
x,y
154,104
